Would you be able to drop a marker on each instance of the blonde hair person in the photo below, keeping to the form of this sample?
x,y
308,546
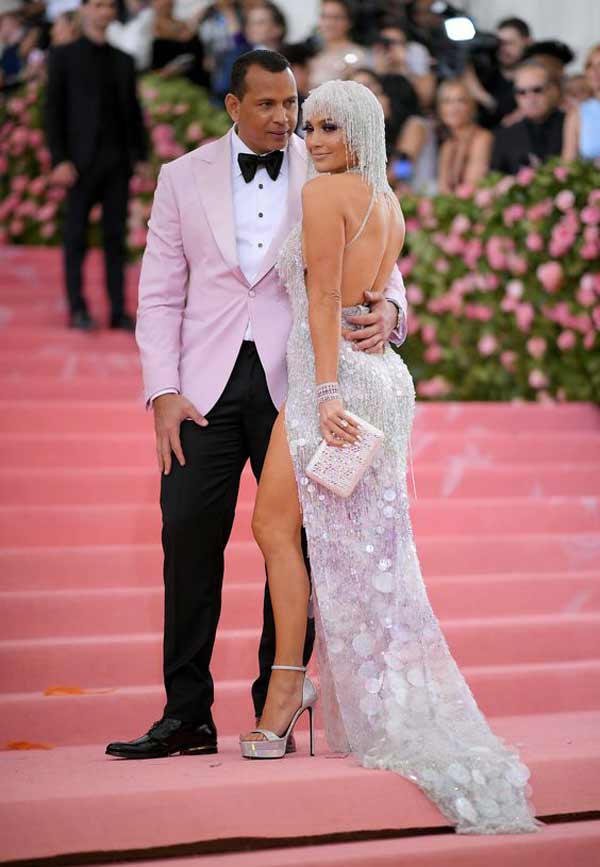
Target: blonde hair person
x,y
465,154
582,125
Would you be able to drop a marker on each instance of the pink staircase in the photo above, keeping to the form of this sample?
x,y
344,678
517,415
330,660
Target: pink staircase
x,y
507,521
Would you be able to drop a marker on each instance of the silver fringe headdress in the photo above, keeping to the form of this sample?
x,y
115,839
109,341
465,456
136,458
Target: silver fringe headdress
x,y
357,111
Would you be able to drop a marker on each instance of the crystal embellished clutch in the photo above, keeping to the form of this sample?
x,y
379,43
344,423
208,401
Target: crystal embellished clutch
x,y
341,469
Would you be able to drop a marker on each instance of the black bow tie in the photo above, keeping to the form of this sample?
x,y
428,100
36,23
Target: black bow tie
x,y
249,163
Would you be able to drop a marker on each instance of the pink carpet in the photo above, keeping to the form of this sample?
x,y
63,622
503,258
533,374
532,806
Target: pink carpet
x,y
508,530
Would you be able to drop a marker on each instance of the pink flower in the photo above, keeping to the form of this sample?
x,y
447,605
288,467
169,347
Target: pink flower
x,y
550,276
38,185
561,173
487,344
524,314
504,185
565,200
594,197
48,230
540,210
589,340
525,176
512,214
537,379
484,198
534,242
137,237
442,265
432,354
517,264
36,138
586,295
589,251
16,228
194,132
429,332
479,312
414,294
46,212
96,214
566,340
536,346
460,224
19,183
508,360
514,288
425,208
436,387
590,215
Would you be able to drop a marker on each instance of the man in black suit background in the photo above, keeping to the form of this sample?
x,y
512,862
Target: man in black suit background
x,y
96,137
536,138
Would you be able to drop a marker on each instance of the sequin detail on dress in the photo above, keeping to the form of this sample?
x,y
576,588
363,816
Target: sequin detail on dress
x,y
390,689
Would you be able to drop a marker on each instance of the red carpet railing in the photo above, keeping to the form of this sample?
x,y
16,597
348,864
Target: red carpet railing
x,y
503,281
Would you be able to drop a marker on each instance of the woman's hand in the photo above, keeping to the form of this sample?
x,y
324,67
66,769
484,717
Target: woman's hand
x,y
336,426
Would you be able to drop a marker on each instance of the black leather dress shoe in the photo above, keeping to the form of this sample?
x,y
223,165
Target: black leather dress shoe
x,y
166,737
291,744
124,322
82,321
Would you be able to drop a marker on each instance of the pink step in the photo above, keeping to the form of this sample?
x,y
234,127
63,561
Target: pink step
x,y
34,526
223,797
141,565
569,843
54,365
116,610
141,485
97,659
123,712
15,386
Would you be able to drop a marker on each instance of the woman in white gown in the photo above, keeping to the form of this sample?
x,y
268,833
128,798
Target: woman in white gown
x,y
391,691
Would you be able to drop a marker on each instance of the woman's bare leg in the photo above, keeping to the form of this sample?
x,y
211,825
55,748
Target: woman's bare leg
x,y
276,524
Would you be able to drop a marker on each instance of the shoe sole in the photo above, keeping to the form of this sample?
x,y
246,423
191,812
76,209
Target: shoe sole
x,y
189,751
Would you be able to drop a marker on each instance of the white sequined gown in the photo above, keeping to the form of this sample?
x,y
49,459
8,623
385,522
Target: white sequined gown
x,y
390,689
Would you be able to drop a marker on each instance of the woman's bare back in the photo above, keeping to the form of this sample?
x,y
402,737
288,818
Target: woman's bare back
x,y
371,250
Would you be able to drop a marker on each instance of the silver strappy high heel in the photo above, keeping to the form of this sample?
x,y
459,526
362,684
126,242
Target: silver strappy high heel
x,y
274,746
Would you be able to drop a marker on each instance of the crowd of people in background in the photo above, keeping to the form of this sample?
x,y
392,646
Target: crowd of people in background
x,y
453,112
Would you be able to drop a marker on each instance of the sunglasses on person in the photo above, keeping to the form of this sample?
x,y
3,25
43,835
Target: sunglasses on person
x,y
523,91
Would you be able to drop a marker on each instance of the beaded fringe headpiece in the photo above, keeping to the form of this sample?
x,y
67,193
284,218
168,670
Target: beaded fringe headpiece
x,y
357,111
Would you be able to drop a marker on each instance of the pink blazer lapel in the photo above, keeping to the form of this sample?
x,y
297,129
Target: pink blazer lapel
x,y
297,167
212,172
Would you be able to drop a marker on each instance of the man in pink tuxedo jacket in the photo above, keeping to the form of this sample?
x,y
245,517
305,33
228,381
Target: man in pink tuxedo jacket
x,y
213,322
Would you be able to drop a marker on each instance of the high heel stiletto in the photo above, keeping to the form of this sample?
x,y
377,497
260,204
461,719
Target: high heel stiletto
x,y
274,746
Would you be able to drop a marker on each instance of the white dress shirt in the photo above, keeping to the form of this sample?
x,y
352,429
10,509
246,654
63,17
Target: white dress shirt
x,y
258,209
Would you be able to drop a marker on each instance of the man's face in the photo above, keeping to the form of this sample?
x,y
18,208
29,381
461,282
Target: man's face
x,y
512,45
267,114
536,95
394,46
99,13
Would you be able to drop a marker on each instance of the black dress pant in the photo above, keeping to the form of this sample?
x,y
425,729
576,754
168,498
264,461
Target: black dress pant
x,y
198,507
106,182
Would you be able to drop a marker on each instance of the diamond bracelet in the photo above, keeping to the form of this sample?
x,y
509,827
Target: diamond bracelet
x,y
327,391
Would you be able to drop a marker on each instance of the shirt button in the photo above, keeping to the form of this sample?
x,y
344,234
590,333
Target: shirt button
x,y
260,214
251,293
260,186
260,243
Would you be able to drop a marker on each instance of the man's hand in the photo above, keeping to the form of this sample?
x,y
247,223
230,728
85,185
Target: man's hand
x,y
169,411
377,326
65,174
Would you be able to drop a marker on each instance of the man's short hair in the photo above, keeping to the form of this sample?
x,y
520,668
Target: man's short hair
x,y
534,64
517,24
271,61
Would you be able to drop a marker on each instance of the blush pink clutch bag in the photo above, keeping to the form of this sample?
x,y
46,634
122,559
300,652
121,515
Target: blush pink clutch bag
x,y
341,469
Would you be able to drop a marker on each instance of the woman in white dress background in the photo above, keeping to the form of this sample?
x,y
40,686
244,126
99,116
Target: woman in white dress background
x,y
391,691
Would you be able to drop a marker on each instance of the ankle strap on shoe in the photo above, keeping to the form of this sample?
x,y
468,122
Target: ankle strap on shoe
x,y
289,667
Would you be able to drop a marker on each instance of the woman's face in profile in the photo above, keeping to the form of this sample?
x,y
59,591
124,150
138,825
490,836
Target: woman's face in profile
x,y
326,143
